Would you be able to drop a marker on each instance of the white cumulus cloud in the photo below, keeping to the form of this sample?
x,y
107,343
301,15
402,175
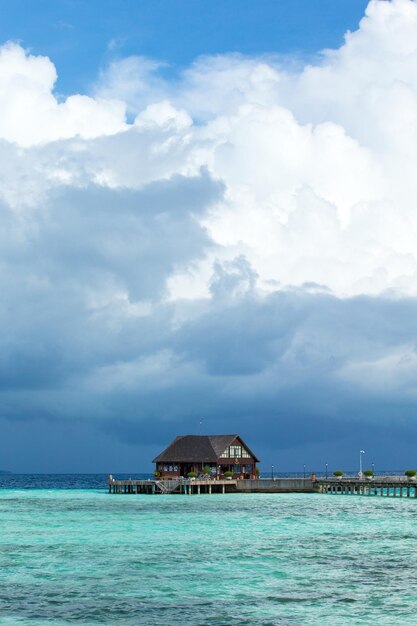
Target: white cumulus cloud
x,y
30,113
318,161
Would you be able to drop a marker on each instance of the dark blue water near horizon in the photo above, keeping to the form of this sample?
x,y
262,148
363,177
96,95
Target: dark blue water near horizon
x,y
61,481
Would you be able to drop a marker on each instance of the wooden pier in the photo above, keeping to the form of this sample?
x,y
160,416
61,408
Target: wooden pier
x,y
191,486
185,486
386,486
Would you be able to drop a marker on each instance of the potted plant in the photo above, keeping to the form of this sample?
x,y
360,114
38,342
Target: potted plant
x,y
228,475
369,474
411,474
206,470
191,475
338,473
157,474
257,472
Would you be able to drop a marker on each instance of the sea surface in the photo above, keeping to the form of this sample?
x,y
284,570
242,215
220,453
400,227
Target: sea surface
x,y
82,556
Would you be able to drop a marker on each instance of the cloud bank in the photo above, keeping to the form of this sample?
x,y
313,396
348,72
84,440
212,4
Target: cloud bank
x,y
237,243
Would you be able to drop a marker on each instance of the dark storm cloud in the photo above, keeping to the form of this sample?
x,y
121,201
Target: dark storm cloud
x,y
90,337
279,361
59,268
135,237
278,368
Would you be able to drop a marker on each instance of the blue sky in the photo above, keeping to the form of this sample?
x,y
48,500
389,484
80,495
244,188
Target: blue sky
x,y
205,216
82,36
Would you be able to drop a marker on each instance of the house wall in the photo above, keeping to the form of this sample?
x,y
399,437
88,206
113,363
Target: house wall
x,y
230,463
276,485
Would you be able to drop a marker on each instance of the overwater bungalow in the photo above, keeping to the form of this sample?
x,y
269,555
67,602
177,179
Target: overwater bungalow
x,y
196,453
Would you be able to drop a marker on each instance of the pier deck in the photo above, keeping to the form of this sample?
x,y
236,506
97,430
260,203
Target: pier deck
x,y
185,486
196,486
387,486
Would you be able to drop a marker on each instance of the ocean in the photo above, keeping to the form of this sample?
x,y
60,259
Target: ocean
x,y
70,553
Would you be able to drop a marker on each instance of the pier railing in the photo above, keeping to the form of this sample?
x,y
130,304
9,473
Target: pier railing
x,y
389,478
329,474
388,486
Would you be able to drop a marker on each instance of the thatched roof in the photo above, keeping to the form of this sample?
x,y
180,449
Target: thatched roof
x,y
198,449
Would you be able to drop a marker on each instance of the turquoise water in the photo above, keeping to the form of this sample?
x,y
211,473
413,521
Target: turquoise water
x,y
86,557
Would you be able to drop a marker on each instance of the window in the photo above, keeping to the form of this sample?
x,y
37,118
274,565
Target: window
x,y
235,451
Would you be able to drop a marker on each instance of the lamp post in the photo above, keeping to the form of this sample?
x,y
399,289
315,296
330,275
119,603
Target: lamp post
x,y
373,468
272,472
304,471
361,452
327,467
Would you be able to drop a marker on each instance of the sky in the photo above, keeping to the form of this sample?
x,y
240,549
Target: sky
x,y
82,37
208,224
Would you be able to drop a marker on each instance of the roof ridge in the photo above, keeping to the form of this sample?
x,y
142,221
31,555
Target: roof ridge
x,y
223,435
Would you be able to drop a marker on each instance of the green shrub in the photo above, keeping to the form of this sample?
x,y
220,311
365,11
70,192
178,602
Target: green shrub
x,y
228,473
410,473
206,470
258,472
191,474
369,473
157,473
338,473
